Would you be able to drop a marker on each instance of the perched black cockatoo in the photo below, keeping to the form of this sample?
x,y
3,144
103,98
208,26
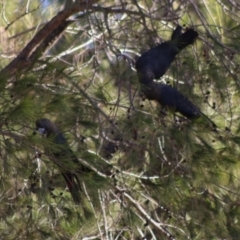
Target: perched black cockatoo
x,y
169,97
63,156
154,63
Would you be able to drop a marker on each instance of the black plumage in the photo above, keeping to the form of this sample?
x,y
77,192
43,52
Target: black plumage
x,y
63,156
154,63
169,97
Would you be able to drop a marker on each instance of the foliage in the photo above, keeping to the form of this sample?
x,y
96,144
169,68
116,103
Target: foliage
x,y
166,177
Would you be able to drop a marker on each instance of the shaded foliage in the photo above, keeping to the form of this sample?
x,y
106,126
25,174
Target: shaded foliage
x,y
168,177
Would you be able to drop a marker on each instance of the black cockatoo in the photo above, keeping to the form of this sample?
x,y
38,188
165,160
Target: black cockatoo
x,y
63,156
169,97
154,63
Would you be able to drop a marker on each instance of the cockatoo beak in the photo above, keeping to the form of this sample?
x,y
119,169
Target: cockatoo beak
x,y
42,131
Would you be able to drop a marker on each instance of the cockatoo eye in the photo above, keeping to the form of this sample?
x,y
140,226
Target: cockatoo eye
x,y
42,131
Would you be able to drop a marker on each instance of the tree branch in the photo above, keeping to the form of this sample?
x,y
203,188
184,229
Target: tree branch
x,y
22,60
